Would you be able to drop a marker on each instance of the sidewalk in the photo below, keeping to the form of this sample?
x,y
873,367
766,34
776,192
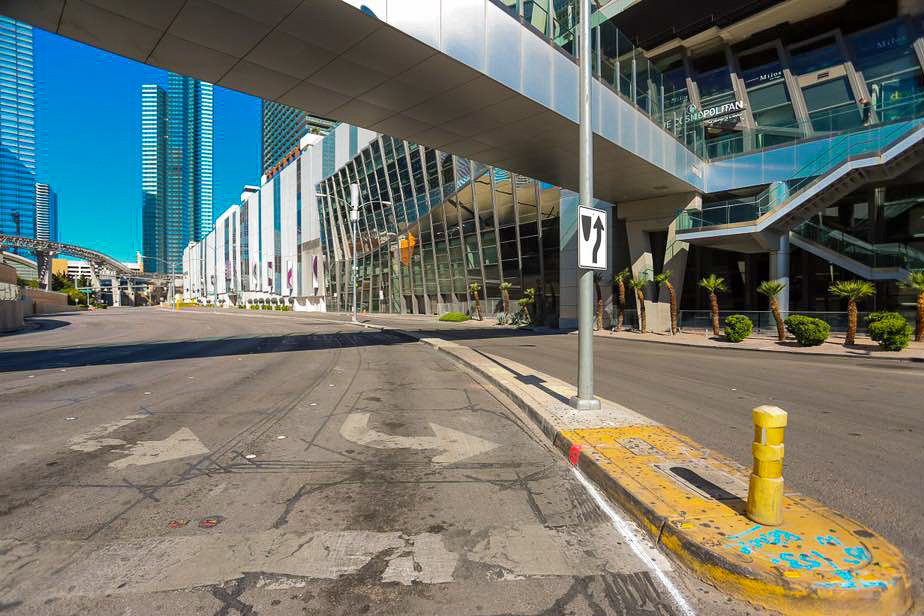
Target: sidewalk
x,y
691,501
834,346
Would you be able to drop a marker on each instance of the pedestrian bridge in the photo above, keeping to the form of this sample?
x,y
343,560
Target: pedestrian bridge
x,y
470,77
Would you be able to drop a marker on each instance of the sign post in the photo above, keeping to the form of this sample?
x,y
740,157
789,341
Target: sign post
x,y
596,235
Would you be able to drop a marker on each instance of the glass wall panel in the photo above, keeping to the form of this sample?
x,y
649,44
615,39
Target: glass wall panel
x,y
831,105
885,57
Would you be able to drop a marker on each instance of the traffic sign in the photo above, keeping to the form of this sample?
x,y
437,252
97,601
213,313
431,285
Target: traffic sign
x,y
591,238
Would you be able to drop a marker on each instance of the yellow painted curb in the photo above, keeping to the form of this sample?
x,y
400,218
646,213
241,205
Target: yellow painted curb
x,y
692,502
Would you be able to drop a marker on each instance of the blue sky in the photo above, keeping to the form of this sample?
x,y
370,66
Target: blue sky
x,y
88,142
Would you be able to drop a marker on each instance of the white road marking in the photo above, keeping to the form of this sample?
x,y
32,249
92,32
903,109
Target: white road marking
x,y
181,444
631,536
455,445
96,438
59,568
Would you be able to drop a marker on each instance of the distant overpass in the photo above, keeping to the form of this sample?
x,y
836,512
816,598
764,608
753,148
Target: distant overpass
x,y
45,250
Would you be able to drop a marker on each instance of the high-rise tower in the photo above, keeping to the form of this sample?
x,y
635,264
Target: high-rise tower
x,y
46,213
283,127
17,130
177,142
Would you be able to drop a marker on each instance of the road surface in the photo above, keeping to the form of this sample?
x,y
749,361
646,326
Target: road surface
x,y
162,463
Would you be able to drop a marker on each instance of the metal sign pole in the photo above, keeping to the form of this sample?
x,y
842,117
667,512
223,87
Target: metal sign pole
x,y
585,399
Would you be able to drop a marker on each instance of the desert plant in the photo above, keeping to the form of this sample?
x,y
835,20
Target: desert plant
x,y
620,279
455,317
807,331
915,282
505,294
638,284
714,285
738,327
664,278
890,329
474,288
772,289
852,291
598,317
523,317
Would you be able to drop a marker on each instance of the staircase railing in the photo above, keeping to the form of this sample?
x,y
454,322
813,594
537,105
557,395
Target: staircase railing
x,y
892,254
861,142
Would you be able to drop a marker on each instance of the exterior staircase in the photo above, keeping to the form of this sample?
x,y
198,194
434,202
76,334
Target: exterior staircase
x,y
893,261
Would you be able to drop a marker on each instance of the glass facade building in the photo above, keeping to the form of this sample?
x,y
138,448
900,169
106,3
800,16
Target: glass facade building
x,y
46,213
17,130
176,174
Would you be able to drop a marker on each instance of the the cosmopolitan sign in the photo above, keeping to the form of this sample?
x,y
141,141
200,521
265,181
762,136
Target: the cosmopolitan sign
x,y
720,114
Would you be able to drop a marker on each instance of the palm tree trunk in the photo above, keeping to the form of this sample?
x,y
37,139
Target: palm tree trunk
x,y
851,322
642,317
714,301
775,307
621,309
919,327
670,291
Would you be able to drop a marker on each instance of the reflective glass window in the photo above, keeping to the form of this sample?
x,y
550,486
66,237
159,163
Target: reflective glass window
x,y
816,55
886,59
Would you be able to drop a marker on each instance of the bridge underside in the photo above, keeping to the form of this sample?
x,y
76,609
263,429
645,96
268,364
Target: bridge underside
x,y
326,57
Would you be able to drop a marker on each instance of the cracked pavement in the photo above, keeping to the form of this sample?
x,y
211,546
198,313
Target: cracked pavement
x,y
161,463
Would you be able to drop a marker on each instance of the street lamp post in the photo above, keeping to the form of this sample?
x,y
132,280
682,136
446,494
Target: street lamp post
x,y
585,399
354,219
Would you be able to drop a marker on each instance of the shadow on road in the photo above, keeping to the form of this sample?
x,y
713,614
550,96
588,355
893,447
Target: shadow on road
x,y
138,352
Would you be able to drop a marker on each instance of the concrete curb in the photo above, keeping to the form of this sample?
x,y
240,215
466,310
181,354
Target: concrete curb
x,y
746,348
817,574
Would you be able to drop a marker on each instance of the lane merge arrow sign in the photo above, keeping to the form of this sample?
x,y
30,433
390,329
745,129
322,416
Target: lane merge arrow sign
x,y
455,445
592,237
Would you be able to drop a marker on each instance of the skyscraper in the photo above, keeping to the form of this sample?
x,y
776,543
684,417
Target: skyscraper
x,y
17,130
176,168
46,213
283,127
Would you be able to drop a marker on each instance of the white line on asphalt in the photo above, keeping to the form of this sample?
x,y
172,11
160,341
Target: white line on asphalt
x,y
632,540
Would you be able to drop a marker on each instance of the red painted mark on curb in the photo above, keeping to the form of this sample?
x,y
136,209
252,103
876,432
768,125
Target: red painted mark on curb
x,y
574,455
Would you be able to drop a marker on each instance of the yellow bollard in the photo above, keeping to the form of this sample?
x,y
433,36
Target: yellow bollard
x,y
765,492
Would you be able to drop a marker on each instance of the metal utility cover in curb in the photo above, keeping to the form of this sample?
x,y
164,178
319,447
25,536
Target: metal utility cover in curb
x,y
592,234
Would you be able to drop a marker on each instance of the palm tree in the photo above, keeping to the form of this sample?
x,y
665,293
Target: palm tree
x,y
620,279
598,320
474,288
915,282
853,290
665,279
713,286
639,285
772,289
505,293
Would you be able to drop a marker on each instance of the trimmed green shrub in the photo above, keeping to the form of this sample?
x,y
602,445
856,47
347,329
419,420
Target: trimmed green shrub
x,y
807,331
890,329
738,327
455,317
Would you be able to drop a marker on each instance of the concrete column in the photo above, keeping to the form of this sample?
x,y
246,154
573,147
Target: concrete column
x,y
94,277
116,292
653,215
43,267
779,267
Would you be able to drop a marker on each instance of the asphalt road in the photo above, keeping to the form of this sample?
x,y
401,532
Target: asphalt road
x,y
162,463
855,439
